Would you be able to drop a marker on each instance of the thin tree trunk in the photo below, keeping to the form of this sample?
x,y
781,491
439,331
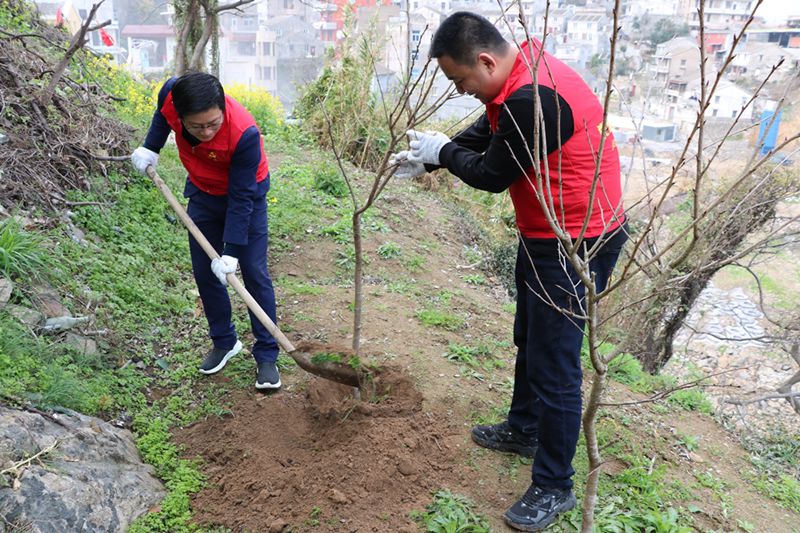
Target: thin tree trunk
x,y
358,282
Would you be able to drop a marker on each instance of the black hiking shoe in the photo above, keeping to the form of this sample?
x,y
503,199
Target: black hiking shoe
x,y
504,438
538,507
218,357
268,376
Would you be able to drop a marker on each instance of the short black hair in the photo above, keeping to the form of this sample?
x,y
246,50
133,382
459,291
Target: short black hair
x,y
195,92
463,35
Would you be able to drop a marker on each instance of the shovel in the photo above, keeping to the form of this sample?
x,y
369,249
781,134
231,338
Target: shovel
x,y
326,367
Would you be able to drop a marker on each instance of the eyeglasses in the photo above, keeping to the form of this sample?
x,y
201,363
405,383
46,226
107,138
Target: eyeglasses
x,y
215,125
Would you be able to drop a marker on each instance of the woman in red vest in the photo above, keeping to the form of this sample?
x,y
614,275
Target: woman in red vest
x,y
228,178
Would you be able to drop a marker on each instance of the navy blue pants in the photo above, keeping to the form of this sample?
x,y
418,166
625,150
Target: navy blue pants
x,y
547,375
208,212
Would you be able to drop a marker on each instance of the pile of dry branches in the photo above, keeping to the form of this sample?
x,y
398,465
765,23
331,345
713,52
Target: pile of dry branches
x,y
54,135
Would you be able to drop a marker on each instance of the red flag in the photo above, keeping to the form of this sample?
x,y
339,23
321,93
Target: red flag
x,y
106,38
59,17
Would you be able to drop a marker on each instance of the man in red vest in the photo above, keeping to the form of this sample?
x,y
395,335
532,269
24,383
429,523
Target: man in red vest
x,y
496,154
220,146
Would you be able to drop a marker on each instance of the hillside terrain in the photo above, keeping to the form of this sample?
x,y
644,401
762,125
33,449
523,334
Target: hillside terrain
x,y
313,458
89,241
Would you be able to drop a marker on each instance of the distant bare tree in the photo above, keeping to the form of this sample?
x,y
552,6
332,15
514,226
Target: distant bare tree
x,y
198,23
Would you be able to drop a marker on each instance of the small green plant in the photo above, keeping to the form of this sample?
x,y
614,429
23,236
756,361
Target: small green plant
x,y
784,489
346,258
691,400
314,517
389,250
690,442
340,231
21,252
321,358
415,263
440,319
451,513
625,368
329,180
744,525
475,279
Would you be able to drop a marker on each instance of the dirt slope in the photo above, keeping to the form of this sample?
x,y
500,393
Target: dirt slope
x,y
310,458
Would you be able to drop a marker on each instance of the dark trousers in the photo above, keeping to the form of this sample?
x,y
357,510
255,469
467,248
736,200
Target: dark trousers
x,y
547,375
208,212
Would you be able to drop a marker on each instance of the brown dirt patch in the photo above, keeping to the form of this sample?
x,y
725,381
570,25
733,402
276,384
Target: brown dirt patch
x,y
321,456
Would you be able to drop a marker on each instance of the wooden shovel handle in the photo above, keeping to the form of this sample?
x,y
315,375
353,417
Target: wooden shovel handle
x,y
233,281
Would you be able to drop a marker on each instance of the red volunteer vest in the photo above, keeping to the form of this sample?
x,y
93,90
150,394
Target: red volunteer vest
x,y
208,163
571,170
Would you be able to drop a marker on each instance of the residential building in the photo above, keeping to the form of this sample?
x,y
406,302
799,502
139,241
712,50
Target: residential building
x,y
247,49
676,58
716,13
299,55
648,8
788,37
590,32
726,102
754,60
151,47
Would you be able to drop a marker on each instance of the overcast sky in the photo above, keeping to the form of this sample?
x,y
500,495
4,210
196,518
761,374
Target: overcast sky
x,y
778,10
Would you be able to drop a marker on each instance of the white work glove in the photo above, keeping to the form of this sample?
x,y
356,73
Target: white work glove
x,y
142,158
222,266
425,146
405,168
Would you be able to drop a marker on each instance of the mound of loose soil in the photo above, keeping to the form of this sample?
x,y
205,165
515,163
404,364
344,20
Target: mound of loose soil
x,y
291,459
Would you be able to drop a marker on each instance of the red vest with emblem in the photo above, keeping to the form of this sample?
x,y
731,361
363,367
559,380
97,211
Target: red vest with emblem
x,y
208,163
571,170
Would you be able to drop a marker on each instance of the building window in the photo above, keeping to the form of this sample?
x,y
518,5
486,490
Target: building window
x,y
415,36
716,99
246,48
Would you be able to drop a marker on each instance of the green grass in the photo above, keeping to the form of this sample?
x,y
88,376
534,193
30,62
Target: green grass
x,y
22,252
389,250
451,513
440,319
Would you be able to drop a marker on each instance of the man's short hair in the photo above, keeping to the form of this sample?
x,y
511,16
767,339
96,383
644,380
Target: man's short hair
x,y
196,92
463,35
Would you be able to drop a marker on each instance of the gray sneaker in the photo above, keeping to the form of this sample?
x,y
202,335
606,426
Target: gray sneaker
x,y
218,357
268,376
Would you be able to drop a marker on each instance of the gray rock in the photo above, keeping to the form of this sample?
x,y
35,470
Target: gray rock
x,y
84,345
94,480
5,291
29,317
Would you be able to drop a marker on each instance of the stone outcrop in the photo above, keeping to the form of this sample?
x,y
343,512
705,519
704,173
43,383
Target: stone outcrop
x,y
87,476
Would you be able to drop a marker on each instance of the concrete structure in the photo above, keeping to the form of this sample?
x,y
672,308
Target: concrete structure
x,y
648,8
247,49
151,47
299,55
589,31
676,58
718,14
754,60
726,102
653,130
788,37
